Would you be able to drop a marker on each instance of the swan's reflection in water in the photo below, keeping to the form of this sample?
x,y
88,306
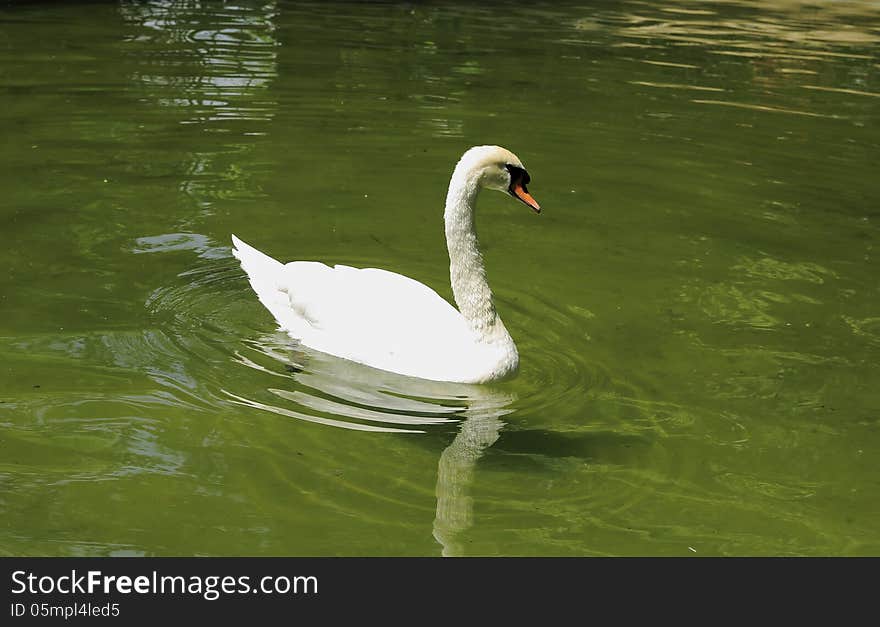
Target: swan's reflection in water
x,y
455,475
340,393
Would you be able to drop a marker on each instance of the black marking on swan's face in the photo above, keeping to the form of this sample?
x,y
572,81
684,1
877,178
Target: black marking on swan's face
x,y
518,174
519,178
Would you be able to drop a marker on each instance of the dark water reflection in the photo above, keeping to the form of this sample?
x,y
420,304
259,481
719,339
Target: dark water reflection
x,y
696,310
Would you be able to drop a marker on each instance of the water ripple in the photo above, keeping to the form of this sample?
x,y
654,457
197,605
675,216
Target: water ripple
x,y
323,387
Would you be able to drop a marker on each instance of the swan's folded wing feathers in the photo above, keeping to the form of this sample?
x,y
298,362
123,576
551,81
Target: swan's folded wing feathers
x,y
366,304
264,275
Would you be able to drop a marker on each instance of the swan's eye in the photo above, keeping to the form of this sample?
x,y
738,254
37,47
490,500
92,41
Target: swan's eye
x,y
517,174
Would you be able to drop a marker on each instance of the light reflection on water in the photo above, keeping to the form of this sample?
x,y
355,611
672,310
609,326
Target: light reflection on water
x,y
213,66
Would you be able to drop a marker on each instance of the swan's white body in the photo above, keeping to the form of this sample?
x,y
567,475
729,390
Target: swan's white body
x,y
389,321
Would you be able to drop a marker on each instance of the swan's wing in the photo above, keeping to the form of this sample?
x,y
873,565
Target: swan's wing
x,y
357,313
359,302
265,275
376,317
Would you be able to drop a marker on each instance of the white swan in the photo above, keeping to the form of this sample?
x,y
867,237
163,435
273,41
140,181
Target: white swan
x,y
391,322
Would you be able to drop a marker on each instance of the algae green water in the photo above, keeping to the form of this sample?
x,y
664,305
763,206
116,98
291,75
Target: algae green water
x,y
697,309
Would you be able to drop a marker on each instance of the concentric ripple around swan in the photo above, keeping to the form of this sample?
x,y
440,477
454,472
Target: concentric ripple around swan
x,y
209,314
203,315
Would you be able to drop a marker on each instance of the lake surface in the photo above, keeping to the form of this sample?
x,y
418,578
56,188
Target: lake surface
x,y
697,309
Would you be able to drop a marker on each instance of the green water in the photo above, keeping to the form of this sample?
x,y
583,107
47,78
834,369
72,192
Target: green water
x,y
697,309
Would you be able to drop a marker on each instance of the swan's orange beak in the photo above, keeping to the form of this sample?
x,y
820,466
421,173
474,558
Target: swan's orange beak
x,y
519,190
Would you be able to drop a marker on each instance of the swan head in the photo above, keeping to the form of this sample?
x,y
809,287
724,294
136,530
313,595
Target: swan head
x,y
497,168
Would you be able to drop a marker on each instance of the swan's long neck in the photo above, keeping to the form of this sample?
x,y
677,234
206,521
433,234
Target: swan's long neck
x,y
466,270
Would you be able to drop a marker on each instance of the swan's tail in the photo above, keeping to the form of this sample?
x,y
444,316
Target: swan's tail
x,y
264,274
